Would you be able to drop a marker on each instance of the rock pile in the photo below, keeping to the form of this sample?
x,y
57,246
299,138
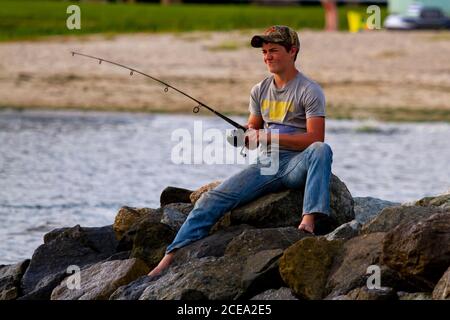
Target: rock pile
x,y
368,249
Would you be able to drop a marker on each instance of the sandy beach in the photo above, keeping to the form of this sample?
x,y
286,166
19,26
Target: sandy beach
x,y
387,75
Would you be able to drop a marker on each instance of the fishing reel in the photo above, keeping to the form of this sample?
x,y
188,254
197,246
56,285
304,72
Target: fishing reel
x,y
237,139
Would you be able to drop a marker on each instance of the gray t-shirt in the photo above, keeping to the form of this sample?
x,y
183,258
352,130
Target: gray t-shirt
x,y
287,109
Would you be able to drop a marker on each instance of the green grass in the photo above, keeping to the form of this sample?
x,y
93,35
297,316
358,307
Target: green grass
x,y
26,19
399,114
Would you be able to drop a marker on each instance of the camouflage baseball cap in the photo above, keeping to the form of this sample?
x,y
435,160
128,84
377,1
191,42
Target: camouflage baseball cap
x,y
277,34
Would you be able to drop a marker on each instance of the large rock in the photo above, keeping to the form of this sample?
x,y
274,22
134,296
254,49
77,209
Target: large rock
x,y
442,201
349,270
10,276
148,232
366,208
127,216
276,294
420,250
208,278
232,275
175,195
261,267
284,209
251,241
305,266
261,272
128,237
175,214
133,290
391,217
341,202
442,289
63,248
363,293
100,280
213,245
274,210
259,250
345,231
150,240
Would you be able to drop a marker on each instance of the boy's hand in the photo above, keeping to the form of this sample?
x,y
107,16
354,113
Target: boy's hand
x,y
251,138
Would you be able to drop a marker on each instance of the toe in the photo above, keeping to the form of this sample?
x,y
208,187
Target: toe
x,y
306,228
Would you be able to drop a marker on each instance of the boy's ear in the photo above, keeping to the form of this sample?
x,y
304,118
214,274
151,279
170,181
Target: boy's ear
x,y
294,50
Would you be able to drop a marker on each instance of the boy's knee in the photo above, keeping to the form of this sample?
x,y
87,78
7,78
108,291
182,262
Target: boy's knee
x,y
321,149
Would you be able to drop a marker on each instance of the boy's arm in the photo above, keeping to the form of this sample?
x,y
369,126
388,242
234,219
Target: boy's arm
x,y
315,131
255,122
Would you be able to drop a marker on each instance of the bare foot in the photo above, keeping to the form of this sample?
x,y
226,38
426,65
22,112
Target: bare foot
x,y
307,224
162,265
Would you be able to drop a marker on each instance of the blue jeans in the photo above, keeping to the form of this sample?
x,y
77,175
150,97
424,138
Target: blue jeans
x,y
309,169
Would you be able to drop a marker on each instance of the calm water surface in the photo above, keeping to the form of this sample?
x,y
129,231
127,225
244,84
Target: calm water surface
x,y
66,168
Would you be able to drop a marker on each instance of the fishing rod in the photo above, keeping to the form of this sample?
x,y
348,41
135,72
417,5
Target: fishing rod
x,y
166,89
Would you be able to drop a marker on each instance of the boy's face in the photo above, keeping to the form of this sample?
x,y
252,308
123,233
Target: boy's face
x,y
277,58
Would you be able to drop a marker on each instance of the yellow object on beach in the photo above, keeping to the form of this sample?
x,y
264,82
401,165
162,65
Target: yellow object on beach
x,y
354,21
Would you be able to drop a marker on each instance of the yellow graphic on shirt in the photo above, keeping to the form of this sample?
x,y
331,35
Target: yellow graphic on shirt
x,y
277,109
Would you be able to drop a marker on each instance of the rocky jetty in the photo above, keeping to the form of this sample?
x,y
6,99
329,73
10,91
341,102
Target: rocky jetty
x,y
368,249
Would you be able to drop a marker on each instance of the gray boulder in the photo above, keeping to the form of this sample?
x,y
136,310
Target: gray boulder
x,y
232,275
251,241
274,210
208,278
366,208
341,202
100,280
363,293
270,211
442,289
174,195
349,270
61,249
133,290
420,250
10,276
442,201
213,245
284,209
261,272
345,231
391,217
174,214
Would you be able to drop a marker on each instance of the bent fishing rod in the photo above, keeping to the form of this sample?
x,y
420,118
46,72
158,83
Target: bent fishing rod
x,y
167,86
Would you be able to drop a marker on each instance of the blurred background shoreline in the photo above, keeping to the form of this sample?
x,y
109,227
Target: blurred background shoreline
x,y
204,50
